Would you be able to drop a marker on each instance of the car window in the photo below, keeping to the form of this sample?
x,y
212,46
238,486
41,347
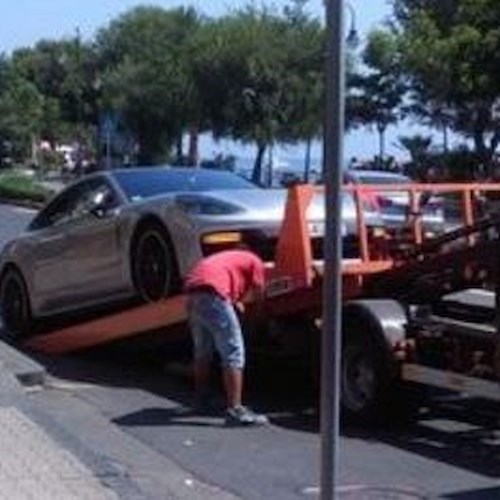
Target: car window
x,y
94,192
74,203
59,210
139,184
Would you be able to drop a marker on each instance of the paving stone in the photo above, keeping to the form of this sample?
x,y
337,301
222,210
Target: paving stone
x,y
33,466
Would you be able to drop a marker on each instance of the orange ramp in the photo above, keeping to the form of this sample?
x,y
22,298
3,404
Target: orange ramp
x,y
112,327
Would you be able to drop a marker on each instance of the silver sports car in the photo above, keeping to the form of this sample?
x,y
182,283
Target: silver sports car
x,y
134,233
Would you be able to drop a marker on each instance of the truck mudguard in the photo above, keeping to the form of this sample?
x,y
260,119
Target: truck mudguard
x,y
384,320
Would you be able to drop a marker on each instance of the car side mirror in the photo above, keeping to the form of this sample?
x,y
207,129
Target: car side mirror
x,y
99,206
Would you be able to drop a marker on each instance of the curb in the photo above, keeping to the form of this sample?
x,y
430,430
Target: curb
x,y
27,371
35,205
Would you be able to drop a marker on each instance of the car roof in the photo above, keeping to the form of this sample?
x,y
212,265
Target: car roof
x,y
171,168
379,175
376,173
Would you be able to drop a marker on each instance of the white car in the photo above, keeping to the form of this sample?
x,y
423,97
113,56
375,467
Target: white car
x,y
394,206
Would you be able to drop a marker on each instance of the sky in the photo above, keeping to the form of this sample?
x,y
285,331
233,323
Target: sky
x,y
24,22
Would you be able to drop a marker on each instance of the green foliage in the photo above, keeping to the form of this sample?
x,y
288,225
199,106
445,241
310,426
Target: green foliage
x,y
147,77
417,146
65,73
21,110
451,52
260,76
377,94
21,187
50,160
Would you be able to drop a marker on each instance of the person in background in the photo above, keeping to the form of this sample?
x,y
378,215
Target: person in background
x,y
216,288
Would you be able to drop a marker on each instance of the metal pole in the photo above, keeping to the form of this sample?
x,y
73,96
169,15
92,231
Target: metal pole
x,y
332,291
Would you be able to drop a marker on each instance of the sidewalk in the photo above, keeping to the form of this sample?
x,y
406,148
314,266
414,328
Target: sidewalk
x,y
57,449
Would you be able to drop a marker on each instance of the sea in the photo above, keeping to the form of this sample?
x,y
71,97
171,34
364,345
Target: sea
x,y
281,171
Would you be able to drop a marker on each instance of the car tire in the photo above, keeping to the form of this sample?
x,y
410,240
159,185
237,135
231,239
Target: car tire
x,y
152,264
366,383
15,306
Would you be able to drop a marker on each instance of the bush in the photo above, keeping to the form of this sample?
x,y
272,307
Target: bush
x,y
20,187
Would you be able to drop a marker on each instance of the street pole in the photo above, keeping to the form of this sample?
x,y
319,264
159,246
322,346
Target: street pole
x,y
331,346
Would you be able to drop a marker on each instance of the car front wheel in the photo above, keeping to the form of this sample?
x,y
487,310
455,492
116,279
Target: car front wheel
x,y
15,305
152,264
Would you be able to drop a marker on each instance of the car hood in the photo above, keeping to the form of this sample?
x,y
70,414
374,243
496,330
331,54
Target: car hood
x,y
267,204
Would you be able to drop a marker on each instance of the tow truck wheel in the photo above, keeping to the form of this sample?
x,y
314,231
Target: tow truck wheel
x,y
152,264
365,381
15,305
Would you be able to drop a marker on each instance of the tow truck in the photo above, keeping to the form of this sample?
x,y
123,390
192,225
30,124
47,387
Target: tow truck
x,y
423,312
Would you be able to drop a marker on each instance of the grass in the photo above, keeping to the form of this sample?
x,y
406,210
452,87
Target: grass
x,y
14,186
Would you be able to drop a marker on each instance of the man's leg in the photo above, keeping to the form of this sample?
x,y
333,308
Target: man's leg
x,y
202,366
229,343
233,385
202,350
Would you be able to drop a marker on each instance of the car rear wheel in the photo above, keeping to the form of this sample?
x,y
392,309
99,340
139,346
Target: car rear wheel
x,y
15,305
152,264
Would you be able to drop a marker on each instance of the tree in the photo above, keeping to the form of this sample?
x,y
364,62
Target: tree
x,y
21,111
377,93
417,146
259,76
64,72
147,76
451,54
303,79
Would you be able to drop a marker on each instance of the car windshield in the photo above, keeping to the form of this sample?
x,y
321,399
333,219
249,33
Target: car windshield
x,y
145,183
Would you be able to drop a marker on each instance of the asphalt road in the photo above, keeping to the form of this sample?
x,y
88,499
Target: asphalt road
x,y
12,221
452,450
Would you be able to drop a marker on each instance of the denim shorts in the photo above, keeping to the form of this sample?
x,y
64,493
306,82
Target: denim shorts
x,y
215,327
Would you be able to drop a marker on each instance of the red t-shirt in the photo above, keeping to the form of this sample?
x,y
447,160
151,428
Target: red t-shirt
x,y
230,273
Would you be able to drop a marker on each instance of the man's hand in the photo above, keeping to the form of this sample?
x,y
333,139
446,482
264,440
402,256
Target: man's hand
x,y
240,307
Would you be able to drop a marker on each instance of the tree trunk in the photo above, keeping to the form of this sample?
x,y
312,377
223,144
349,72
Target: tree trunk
x,y
445,139
270,168
495,141
193,155
479,145
179,150
381,145
257,168
307,166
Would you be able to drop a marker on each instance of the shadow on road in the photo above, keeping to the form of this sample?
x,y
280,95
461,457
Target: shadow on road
x,y
462,434
482,494
164,417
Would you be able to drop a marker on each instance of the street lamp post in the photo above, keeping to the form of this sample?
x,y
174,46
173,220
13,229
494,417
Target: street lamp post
x,y
331,347
353,36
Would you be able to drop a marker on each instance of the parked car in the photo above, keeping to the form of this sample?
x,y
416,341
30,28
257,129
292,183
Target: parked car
x,y
394,206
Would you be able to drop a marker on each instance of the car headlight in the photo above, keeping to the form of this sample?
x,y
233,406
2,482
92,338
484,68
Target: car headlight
x,y
221,238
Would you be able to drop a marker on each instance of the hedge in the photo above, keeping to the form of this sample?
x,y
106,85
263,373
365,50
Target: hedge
x,y
22,188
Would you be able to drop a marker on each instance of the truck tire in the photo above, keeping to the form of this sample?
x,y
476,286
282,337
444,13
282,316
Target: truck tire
x,y
365,380
370,380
